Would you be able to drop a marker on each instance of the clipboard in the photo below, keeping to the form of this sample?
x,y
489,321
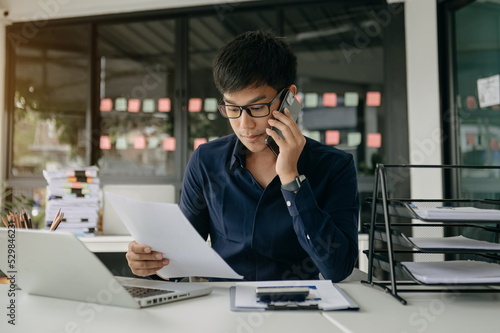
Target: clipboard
x,y
348,303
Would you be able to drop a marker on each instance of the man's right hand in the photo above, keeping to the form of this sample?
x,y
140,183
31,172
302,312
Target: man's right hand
x,y
142,261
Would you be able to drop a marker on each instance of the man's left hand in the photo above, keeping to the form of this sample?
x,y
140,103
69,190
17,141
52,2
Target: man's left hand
x,y
290,148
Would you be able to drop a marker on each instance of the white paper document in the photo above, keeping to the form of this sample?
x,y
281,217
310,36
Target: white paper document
x,y
457,213
454,272
456,242
322,293
164,228
488,91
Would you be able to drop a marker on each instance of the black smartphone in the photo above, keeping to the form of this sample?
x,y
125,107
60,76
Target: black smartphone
x,y
293,105
282,294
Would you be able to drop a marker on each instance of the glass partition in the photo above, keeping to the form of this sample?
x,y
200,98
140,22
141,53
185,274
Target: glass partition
x,y
340,79
152,99
477,95
136,98
50,100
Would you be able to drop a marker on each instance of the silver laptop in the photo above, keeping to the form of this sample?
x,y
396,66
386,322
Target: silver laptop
x,y
58,264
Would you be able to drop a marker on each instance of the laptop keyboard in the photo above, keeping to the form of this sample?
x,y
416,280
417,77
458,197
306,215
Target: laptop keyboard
x,y
140,292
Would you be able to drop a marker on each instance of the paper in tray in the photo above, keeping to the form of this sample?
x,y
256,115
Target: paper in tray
x,y
454,243
457,213
454,272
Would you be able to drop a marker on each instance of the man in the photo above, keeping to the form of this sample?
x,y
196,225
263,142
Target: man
x,y
271,218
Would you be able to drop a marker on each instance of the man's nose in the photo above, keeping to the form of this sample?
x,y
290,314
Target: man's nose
x,y
245,119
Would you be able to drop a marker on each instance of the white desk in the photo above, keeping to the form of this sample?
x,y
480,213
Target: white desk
x,y
425,312
430,312
204,314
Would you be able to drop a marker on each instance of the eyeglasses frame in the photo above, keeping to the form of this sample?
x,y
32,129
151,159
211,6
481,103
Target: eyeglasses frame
x,y
246,107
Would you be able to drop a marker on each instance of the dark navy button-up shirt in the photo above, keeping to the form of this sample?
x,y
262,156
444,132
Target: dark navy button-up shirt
x,y
269,233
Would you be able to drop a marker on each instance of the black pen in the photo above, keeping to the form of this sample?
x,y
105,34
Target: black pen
x,y
293,307
27,220
22,221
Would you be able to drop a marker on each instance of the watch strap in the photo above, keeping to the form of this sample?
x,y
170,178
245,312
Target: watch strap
x,y
294,185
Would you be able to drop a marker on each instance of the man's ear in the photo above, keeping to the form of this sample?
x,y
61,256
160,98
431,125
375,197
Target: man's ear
x,y
293,88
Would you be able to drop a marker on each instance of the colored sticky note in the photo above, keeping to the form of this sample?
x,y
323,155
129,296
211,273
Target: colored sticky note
x,y
198,142
373,98
153,142
471,102
494,144
164,105
471,139
330,99
311,100
351,99
106,105
374,140
195,104
121,142
134,105
353,139
105,142
315,135
169,144
332,137
140,142
148,105
211,104
121,104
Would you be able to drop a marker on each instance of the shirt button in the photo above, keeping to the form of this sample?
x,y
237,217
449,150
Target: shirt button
x,y
308,237
288,203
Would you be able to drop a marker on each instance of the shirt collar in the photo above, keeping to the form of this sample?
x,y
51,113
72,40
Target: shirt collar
x,y
238,156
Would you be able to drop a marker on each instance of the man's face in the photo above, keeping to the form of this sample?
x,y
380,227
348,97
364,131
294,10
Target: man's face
x,y
252,131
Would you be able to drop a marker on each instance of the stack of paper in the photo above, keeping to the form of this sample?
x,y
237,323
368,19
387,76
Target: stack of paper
x,y
76,194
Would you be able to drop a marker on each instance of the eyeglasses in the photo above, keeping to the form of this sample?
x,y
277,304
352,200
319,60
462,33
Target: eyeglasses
x,y
257,110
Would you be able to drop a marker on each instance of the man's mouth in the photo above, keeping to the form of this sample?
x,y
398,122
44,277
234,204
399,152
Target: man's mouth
x,y
252,137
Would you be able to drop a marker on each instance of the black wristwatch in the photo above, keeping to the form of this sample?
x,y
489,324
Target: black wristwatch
x,y
294,185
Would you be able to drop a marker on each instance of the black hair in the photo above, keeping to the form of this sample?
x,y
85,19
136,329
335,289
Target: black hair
x,y
253,59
